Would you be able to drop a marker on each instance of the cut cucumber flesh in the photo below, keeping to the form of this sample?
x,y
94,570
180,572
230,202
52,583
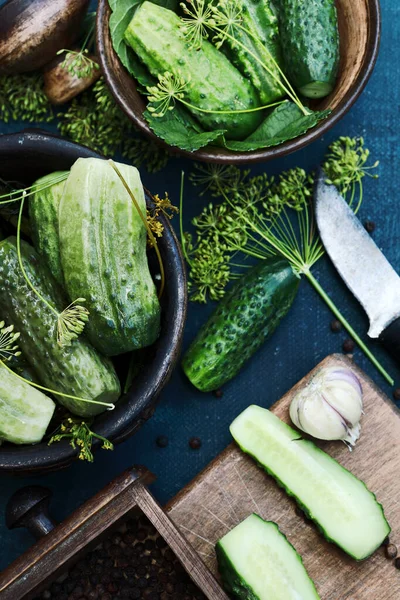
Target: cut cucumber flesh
x,y
347,513
257,562
25,412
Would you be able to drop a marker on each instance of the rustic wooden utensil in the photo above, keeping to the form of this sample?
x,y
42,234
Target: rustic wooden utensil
x,y
359,26
232,487
64,544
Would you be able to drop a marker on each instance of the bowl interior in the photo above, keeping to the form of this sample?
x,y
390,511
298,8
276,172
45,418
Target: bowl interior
x,y
25,157
359,26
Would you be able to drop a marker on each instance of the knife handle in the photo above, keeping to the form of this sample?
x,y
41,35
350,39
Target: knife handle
x,y
390,338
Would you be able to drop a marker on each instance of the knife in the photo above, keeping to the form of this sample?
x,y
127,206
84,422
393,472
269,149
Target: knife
x,y
362,266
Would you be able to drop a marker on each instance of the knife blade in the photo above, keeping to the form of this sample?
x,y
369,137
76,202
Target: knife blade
x,y
361,264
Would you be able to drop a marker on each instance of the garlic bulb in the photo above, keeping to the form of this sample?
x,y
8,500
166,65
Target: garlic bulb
x,y
330,406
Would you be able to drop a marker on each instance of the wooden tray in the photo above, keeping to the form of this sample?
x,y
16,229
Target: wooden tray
x,y
232,487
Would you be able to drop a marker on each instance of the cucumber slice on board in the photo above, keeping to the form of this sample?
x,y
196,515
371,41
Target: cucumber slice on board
x,y
341,505
257,562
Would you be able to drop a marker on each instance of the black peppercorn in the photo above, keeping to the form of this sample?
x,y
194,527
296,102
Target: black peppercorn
x,y
397,563
162,441
396,394
369,226
195,443
218,393
348,346
336,326
391,551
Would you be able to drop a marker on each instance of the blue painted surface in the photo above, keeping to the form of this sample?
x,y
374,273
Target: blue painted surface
x,y
302,340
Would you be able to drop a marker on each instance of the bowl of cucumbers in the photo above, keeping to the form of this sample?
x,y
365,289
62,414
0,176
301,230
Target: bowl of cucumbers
x,y
92,306
237,81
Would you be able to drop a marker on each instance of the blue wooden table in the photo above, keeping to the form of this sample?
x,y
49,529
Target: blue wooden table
x,y
302,340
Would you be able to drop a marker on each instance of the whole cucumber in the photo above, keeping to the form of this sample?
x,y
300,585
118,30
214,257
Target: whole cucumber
x,y
310,44
245,317
259,33
213,83
103,243
43,216
78,370
25,412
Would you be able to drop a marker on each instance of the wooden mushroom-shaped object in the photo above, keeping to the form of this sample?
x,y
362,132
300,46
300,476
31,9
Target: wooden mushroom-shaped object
x,y
33,31
61,85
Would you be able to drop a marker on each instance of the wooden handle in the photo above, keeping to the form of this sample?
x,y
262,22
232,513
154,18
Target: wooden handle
x,y
29,507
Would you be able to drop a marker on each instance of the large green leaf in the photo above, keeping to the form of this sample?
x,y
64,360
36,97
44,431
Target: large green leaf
x,y
284,123
178,128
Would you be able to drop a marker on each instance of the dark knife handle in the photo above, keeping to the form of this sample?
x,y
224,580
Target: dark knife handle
x,y
390,338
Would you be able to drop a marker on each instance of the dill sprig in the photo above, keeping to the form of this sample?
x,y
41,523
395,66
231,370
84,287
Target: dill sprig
x,y
8,348
78,63
95,120
80,436
161,206
261,216
22,98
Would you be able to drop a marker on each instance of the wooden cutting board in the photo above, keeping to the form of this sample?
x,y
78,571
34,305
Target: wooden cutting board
x,y
232,487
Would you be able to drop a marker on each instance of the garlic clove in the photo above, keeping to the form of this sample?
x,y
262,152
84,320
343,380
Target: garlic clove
x,y
330,406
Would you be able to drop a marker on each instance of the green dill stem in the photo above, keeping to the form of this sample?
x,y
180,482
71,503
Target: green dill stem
x,y
289,93
149,232
183,243
347,326
230,112
38,294
40,387
29,191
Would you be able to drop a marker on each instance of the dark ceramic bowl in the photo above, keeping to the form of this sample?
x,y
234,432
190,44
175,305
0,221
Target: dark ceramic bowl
x,y
26,157
359,27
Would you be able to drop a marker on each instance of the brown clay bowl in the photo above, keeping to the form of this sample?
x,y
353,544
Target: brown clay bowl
x,y
25,157
359,27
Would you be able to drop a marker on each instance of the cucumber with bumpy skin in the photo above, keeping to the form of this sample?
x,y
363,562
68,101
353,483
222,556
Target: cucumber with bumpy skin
x,y
103,243
257,562
341,505
245,317
259,33
310,44
25,412
43,216
78,370
213,83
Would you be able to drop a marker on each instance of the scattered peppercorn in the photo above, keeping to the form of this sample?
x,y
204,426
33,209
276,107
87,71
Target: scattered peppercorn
x,y
218,393
369,226
391,551
336,326
386,542
396,394
397,563
195,443
162,441
348,346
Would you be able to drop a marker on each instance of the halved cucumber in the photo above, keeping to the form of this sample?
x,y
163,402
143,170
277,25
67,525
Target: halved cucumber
x,y
257,562
347,513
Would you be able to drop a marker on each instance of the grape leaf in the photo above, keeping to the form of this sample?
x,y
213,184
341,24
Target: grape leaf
x,y
178,128
284,123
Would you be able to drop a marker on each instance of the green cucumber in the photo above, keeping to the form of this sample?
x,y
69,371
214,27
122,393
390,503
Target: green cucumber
x,y
213,83
256,562
246,316
310,45
25,413
103,243
341,505
262,39
43,216
77,370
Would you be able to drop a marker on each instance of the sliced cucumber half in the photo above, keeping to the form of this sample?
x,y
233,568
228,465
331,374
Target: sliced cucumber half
x,y
346,512
257,562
